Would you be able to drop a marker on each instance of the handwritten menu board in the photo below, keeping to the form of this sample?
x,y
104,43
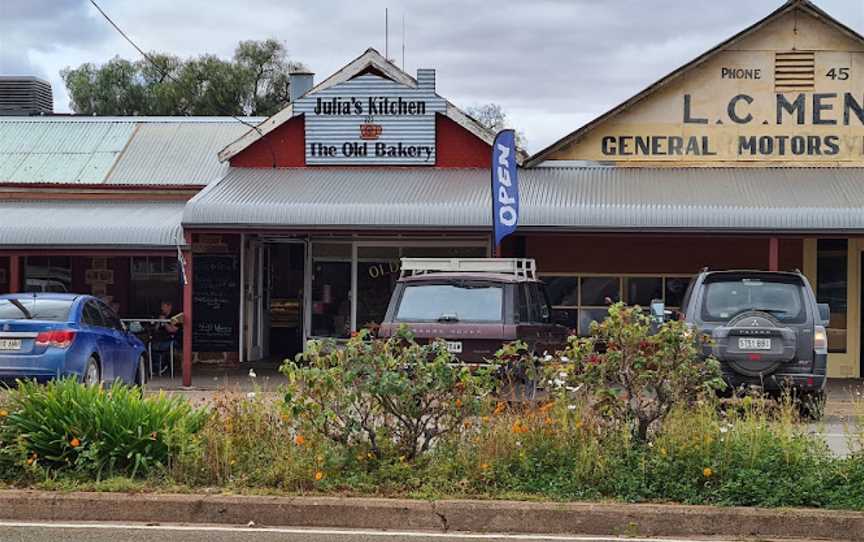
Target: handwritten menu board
x,y
215,303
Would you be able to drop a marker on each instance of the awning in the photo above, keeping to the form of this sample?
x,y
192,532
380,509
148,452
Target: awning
x,y
761,200
91,224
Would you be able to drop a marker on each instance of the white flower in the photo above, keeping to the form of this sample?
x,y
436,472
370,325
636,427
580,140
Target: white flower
x,y
571,407
547,357
724,429
252,373
562,374
558,382
250,395
565,359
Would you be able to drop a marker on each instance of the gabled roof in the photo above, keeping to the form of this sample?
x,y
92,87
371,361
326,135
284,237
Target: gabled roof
x,y
803,5
370,61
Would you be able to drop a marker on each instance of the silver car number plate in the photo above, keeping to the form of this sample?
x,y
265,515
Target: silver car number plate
x,y
454,347
10,344
754,344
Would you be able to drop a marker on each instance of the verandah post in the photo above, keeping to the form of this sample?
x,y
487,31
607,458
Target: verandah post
x,y
773,254
187,312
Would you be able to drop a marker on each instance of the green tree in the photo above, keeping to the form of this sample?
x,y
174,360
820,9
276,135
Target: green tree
x,y
253,82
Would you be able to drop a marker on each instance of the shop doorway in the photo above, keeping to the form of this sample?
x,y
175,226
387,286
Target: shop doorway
x,y
274,286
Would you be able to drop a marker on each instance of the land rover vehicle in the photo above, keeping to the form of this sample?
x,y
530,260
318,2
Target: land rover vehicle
x,y
475,304
765,328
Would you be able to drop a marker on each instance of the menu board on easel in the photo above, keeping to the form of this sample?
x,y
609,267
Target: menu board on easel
x,y
215,303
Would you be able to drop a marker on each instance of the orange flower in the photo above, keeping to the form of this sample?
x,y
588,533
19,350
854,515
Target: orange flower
x,y
707,472
30,461
547,407
299,440
499,408
319,475
3,413
74,442
484,466
458,403
518,428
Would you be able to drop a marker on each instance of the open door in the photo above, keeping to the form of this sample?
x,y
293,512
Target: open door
x,y
255,299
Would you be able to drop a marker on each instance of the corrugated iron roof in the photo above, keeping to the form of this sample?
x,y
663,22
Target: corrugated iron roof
x,y
142,151
80,224
320,197
702,199
175,153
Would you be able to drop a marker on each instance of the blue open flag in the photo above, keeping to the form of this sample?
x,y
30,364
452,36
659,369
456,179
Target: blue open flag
x,y
505,186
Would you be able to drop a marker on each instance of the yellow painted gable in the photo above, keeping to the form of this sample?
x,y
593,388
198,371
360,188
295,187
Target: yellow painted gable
x,y
732,107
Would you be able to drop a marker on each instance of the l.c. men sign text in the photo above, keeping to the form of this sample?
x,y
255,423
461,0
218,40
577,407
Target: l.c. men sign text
x,y
371,120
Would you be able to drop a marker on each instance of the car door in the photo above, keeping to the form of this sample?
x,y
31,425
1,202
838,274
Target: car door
x,y
123,354
97,328
528,327
551,336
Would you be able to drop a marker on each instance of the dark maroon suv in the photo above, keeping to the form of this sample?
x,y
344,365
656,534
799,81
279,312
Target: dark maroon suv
x,y
476,305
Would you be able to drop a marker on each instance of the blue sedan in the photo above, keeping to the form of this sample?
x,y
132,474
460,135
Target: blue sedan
x,y
51,335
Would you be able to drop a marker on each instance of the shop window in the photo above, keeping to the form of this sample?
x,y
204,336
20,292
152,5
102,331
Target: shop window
x,y
331,290
152,280
48,274
577,301
831,288
642,290
377,272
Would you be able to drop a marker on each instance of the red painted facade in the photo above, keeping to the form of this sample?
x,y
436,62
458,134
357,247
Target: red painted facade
x,y
283,147
459,148
286,147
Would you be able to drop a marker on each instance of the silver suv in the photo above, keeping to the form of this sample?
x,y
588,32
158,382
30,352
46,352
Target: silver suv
x,y
765,328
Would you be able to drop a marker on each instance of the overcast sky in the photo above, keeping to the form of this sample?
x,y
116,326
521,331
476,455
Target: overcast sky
x,y
552,64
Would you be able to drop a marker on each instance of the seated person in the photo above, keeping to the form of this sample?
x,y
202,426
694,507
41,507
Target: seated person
x,y
165,335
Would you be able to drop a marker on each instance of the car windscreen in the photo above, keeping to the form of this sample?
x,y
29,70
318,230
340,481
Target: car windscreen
x,y
51,310
726,298
462,302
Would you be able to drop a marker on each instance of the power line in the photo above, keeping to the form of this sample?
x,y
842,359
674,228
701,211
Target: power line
x,y
167,74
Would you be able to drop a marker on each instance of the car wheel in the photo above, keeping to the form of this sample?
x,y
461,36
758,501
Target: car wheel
x,y
91,376
141,372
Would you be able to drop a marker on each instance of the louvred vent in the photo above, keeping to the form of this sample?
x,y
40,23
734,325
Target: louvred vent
x,y
794,70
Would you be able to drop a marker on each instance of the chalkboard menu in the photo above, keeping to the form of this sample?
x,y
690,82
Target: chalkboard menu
x,y
215,303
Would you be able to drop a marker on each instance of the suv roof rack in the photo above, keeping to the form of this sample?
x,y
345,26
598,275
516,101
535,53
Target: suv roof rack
x,y
520,267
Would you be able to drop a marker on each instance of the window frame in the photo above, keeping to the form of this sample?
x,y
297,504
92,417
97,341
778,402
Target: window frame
x,y
579,307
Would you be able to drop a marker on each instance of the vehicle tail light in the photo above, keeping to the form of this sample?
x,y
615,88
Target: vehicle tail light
x,y
820,340
60,338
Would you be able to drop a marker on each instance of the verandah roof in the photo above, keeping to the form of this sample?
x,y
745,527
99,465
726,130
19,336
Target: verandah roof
x,y
80,224
746,200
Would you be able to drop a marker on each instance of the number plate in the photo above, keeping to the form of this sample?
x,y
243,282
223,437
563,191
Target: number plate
x,y
454,347
10,344
754,344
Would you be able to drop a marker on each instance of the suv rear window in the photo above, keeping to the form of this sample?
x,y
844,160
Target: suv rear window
x,y
464,302
51,310
725,298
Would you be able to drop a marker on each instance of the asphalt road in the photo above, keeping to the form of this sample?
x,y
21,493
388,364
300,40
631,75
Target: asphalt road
x,y
105,532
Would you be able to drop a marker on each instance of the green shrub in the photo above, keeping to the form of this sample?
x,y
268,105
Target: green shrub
x,y
65,426
635,375
394,397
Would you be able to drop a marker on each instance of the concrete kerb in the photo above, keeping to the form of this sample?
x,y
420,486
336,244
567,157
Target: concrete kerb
x,y
449,515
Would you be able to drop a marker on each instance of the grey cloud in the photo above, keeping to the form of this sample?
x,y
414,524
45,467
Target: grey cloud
x,y
543,60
